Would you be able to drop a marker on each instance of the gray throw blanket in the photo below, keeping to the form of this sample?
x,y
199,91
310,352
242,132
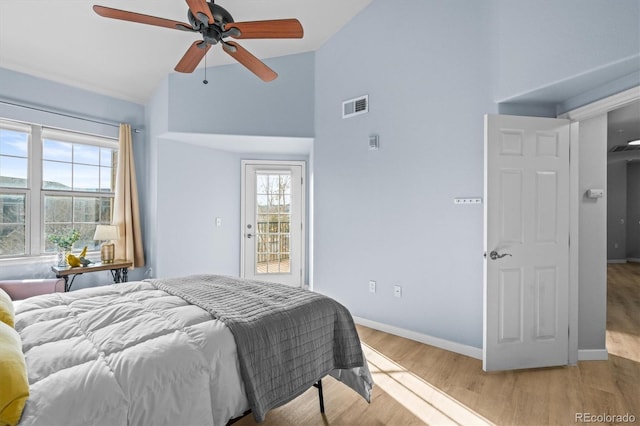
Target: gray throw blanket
x,y
287,338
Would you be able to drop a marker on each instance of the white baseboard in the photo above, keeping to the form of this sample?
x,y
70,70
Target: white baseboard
x,y
628,259
593,355
448,345
470,351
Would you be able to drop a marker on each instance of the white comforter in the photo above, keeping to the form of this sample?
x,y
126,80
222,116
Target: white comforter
x,y
127,354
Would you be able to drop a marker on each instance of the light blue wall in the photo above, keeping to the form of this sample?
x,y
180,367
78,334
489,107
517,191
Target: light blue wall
x,y
389,215
196,185
553,50
592,292
237,102
21,89
26,90
191,185
157,124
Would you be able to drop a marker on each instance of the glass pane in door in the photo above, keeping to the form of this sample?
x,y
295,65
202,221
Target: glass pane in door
x,y
273,215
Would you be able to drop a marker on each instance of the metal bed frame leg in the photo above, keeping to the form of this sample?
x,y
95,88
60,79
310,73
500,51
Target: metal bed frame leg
x,y
320,396
317,385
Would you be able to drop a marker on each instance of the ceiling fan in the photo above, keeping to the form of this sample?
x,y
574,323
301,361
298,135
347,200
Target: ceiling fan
x,y
216,24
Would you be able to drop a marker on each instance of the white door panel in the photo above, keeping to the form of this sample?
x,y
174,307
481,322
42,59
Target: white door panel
x,y
526,242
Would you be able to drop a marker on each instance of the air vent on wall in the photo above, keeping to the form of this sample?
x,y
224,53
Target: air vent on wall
x,y
355,106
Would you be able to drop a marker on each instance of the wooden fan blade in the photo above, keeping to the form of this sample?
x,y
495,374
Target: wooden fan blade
x,y
124,15
276,28
193,56
200,7
252,63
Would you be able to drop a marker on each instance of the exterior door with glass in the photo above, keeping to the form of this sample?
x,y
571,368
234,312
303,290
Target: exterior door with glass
x,y
273,221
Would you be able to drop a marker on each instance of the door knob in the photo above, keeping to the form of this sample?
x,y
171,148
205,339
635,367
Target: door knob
x,y
249,235
495,255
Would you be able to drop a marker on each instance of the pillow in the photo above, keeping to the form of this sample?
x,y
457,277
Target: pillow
x,y
13,376
6,309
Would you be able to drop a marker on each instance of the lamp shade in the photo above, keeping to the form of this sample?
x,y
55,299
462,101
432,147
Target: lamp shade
x,y
106,232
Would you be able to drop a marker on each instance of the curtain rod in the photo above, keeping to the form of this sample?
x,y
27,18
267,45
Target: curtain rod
x,y
106,123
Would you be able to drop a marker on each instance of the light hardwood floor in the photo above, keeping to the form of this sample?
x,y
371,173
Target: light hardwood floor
x,y
418,384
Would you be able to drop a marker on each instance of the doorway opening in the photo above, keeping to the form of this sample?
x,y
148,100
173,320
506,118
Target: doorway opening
x,y
623,233
589,263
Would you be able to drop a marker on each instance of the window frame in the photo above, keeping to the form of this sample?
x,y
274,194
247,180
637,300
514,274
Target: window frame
x,y
35,241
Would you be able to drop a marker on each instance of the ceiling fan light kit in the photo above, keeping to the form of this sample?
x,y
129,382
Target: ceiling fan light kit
x,y
215,24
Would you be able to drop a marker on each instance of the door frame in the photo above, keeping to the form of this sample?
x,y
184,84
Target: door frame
x,y
303,213
591,110
575,116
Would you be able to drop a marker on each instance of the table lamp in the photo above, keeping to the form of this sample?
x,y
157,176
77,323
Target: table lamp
x,y
107,233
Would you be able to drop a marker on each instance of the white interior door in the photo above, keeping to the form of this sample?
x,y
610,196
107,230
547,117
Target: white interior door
x,y
273,224
526,242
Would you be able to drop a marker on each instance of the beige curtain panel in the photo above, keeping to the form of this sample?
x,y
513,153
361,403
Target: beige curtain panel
x,y
126,211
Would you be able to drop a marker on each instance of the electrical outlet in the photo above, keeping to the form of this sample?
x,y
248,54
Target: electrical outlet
x,y
397,291
218,222
372,286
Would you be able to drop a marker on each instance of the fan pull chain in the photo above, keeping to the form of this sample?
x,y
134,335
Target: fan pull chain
x,y
205,70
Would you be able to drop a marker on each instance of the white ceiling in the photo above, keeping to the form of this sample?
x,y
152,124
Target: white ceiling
x,y
65,41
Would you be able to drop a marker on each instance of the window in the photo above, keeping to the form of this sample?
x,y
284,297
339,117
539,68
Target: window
x,y
273,198
52,181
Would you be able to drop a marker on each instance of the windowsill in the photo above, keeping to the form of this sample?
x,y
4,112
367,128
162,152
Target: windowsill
x,y
43,259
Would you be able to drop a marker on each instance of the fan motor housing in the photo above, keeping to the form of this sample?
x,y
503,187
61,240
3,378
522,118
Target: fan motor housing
x,y
220,16
212,34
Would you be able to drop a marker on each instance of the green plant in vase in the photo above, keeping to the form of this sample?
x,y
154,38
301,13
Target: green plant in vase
x,y
64,242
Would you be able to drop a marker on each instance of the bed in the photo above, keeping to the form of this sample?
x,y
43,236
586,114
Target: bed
x,y
195,350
